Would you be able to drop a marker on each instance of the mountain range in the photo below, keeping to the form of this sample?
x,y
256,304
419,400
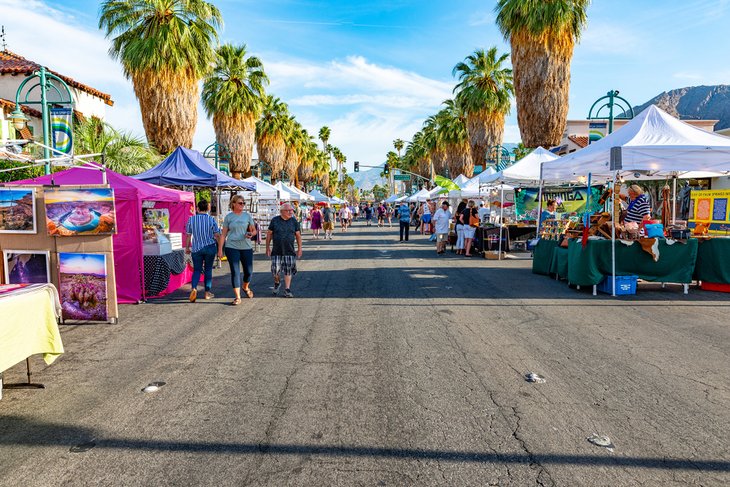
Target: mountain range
x,y
695,103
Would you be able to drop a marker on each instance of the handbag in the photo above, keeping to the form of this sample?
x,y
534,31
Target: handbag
x,y
473,220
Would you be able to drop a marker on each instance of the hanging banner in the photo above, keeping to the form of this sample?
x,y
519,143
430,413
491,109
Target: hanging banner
x,y
710,208
569,200
61,130
597,131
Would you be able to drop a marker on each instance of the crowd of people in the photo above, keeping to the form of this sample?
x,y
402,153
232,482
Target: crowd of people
x,y
235,238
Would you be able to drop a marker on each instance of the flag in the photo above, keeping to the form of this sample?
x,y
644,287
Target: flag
x,y
62,133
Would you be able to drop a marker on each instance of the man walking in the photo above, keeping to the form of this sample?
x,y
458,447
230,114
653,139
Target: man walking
x,y
283,231
202,230
328,220
441,220
404,217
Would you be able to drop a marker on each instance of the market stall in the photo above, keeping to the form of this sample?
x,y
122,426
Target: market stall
x,y
136,204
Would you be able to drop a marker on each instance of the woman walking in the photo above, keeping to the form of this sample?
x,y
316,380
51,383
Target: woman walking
x,y
316,218
469,222
238,229
459,227
203,235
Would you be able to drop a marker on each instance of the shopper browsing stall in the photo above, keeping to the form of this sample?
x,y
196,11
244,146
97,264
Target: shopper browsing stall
x,y
441,220
639,208
202,239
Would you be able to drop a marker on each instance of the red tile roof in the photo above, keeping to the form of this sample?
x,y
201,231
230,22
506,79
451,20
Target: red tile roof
x,y
13,64
11,106
579,140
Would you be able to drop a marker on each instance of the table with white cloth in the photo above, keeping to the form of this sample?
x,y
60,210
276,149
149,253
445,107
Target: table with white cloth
x,y
29,323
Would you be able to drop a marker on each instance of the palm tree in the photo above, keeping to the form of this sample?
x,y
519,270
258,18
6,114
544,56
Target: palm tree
x,y
123,152
233,96
398,145
272,130
542,36
453,139
484,91
165,48
324,136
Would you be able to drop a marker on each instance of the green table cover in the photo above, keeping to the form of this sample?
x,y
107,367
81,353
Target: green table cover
x,y
542,256
588,266
713,261
559,263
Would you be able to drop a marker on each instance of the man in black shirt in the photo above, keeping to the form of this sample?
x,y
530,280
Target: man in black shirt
x,y
282,232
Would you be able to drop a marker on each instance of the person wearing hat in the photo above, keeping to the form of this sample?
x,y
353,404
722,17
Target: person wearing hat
x,y
440,221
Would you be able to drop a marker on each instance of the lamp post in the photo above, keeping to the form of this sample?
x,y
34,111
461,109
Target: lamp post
x,y
613,101
45,83
496,154
215,151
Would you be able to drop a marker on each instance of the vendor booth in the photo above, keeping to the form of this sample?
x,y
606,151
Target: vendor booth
x,y
137,276
654,144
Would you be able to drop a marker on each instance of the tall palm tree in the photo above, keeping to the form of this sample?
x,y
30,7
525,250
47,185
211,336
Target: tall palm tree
x,y
324,136
233,96
398,145
165,48
542,35
484,91
453,139
123,152
272,129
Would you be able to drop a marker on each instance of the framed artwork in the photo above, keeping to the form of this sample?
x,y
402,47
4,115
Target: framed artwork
x,y
17,210
82,286
71,212
27,266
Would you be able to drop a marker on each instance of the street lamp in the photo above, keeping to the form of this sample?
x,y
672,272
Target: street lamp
x,y
613,100
215,150
45,83
496,154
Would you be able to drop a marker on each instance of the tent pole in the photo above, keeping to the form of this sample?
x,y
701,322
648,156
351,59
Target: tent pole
x,y
539,202
501,222
674,199
613,236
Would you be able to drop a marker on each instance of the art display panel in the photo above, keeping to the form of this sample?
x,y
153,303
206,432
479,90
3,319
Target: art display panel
x,y
17,210
83,286
27,266
71,212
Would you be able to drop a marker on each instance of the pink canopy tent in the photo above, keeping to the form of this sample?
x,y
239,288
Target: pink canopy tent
x,y
129,194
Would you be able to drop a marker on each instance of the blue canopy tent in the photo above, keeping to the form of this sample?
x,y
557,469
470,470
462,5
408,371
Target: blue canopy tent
x,y
187,167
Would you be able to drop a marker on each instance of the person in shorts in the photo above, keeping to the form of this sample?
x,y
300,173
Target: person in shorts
x,y
328,220
283,231
345,217
440,221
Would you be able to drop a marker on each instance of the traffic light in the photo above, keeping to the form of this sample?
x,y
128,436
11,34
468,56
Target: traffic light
x,y
386,169
357,166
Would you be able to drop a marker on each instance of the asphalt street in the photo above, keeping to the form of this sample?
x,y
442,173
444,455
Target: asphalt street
x,y
391,366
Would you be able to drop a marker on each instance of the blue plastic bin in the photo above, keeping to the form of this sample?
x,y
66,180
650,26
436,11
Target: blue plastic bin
x,y
625,285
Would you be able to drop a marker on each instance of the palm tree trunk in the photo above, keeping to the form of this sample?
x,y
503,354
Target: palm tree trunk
x,y
168,101
272,150
486,129
236,132
542,82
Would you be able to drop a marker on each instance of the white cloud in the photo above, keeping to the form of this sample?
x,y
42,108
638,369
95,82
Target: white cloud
x,y
482,18
685,75
603,38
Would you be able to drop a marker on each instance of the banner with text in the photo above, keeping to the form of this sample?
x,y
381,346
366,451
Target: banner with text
x,y
570,200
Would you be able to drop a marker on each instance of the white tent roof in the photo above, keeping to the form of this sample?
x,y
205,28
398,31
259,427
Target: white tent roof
x,y
524,171
286,194
654,142
392,199
478,179
319,197
294,190
460,180
422,195
265,190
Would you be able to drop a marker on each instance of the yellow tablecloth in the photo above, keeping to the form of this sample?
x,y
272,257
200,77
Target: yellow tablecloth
x,y
29,325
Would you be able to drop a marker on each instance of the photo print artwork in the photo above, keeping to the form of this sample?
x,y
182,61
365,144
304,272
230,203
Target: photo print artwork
x,y
27,266
83,286
17,210
71,212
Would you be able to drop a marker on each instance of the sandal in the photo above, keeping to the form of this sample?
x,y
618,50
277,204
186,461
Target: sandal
x,y
236,302
248,293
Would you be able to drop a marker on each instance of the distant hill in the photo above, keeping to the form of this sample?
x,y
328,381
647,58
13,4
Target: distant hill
x,y
365,180
695,103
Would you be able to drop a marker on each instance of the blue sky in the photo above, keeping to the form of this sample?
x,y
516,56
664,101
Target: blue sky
x,y
374,70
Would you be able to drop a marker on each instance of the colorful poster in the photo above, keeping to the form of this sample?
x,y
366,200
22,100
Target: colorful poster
x,y
17,210
158,218
711,208
82,286
569,200
27,266
71,212
61,130
597,131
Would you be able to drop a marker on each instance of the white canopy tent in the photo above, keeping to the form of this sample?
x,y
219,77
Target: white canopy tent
x,y
479,178
294,190
319,197
265,190
286,194
421,195
525,171
460,180
392,198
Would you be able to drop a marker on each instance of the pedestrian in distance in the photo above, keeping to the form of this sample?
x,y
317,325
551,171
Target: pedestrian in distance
x,y
328,220
469,222
389,214
345,217
316,220
404,219
368,214
202,236
238,230
283,231
459,228
381,214
441,220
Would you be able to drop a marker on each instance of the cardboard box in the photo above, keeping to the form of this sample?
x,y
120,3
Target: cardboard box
x,y
494,255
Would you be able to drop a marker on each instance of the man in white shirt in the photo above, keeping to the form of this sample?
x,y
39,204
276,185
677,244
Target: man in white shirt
x,y
441,220
483,212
